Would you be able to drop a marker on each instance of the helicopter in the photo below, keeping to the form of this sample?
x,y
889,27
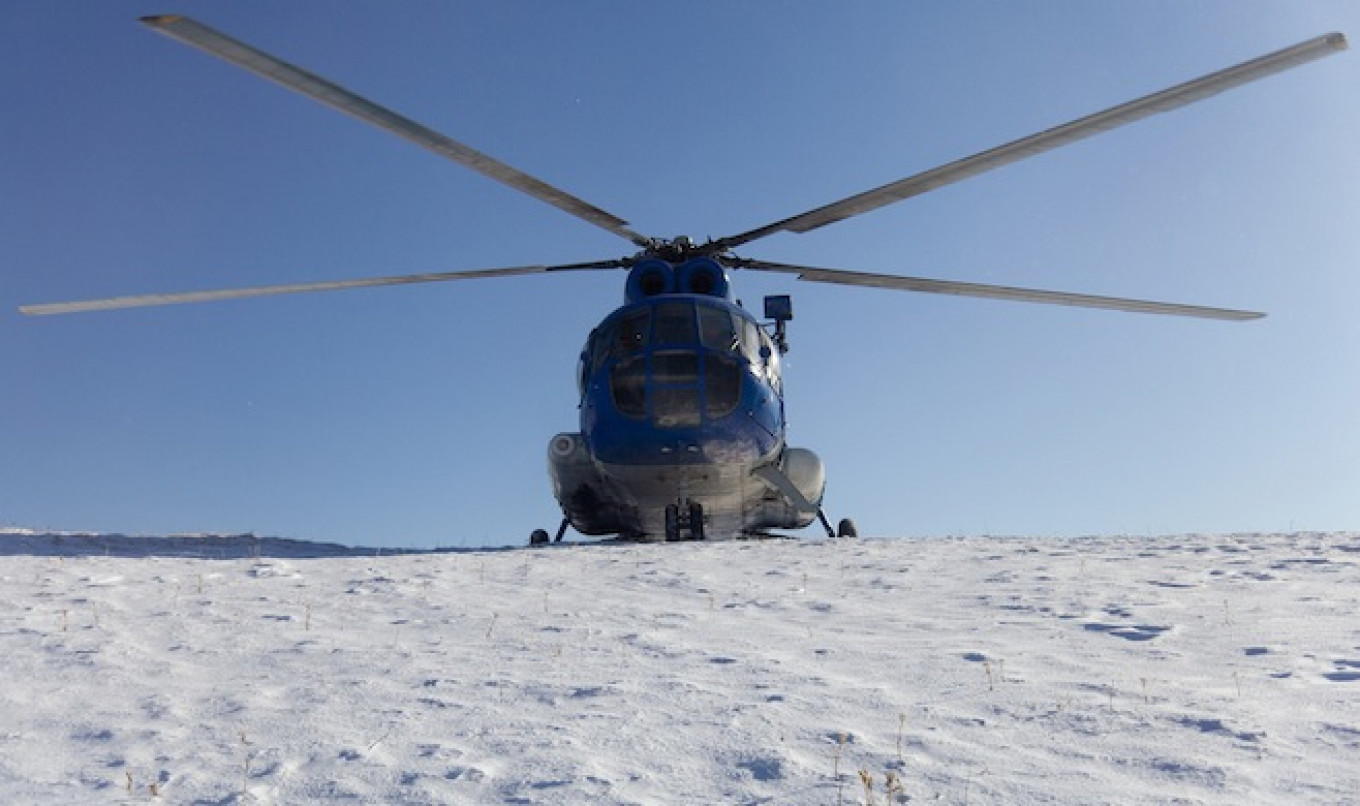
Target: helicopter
x,y
682,430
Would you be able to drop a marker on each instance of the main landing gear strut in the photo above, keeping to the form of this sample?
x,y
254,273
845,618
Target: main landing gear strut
x,y
846,528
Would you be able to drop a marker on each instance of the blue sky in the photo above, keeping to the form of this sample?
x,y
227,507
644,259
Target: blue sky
x,y
419,416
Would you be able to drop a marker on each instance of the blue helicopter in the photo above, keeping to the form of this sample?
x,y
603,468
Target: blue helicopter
x,y
682,427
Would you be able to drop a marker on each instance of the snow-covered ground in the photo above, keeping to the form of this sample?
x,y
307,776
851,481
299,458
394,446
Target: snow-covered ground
x,y
1190,669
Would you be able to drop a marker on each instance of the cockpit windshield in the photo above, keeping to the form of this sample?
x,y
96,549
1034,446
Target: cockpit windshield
x,y
619,337
674,323
718,329
678,361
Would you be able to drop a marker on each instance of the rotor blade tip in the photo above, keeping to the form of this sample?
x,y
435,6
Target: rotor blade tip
x,y
160,19
1337,40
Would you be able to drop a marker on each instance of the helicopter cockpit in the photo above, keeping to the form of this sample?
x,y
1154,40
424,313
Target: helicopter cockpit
x,y
678,360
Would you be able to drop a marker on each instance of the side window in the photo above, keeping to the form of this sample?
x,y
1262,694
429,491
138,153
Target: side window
x,y
597,346
750,342
771,362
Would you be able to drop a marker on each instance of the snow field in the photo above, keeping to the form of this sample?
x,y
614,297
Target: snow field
x,y
1192,669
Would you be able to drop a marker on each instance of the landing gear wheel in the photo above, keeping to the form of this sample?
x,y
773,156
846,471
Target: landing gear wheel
x,y
672,522
696,521
685,521
846,528
538,537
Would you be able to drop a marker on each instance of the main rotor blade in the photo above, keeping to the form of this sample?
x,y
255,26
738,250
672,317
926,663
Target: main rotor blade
x,y
843,277
150,300
1164,101
240,54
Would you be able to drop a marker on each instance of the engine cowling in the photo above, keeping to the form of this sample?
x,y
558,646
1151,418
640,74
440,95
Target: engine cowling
x,y
649,278
702,276
653,277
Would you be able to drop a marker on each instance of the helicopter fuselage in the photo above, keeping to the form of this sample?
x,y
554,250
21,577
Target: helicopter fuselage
x,y
681,418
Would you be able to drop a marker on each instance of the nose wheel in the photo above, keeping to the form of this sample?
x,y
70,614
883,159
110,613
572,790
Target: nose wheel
x,y
685,521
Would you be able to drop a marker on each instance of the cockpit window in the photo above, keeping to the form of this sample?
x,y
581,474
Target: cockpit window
x,y
722,385
628,385
676,362
675,367
675,323
632,333
716,329
623,336
675,388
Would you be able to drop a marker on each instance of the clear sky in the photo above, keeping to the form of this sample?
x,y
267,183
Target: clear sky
x,y
419,416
